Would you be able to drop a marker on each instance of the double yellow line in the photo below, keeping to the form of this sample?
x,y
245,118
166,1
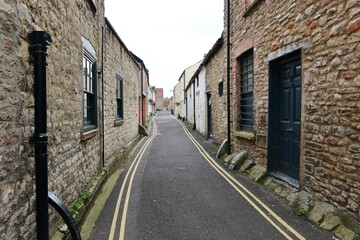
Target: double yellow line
x,y
249,197
127,197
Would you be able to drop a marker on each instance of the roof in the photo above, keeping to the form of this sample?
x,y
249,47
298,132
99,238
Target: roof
x,y
140,61
207,58
187,69
107,22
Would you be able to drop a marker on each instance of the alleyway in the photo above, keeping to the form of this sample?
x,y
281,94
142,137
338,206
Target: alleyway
x,y
173,189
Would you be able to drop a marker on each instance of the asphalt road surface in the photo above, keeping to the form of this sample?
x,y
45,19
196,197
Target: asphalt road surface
x,y
174,188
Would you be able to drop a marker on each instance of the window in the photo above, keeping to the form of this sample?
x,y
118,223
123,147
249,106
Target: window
x,y
89,91
246,91
221,88
119,98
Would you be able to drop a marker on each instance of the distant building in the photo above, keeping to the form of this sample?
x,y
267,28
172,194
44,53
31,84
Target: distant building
x,y
143,93
179,90
159,98
152,101
166,104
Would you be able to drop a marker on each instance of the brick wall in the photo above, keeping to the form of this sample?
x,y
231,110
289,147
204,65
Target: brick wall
x,y
159,98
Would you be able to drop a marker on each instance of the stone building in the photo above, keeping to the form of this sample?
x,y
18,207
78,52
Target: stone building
x,y
295,92
122,73
206,88
92,104
216,92
143,95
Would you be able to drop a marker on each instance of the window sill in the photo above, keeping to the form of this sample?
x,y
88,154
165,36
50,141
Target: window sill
x,y
246,135
87,135
250,8
118,122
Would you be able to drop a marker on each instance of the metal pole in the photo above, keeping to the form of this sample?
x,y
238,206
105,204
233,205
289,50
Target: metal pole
x,y
102,100
194,111
228,76
39,41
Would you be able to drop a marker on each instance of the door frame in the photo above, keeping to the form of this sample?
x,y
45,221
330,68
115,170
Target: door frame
x,y
273,105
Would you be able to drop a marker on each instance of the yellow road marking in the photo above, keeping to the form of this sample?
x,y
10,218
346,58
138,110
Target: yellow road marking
x,y
123,219
227,177
116,213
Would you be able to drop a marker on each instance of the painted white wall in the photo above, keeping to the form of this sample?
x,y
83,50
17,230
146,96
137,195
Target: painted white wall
x,y
190,103
182,84
200,102
178,96
150,96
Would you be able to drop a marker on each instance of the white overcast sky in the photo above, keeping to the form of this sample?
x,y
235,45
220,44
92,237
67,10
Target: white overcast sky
x,y
168,35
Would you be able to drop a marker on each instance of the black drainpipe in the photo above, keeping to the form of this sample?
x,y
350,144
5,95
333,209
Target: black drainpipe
x,y
39,41
102,102
228,76
194,126
141,94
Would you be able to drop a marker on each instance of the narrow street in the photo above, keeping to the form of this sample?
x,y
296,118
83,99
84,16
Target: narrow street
x,y
174,188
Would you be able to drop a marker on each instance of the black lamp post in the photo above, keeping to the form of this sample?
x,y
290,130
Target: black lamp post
x,y
39,41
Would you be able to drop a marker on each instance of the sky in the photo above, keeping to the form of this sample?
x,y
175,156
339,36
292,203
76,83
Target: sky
x,y
167,35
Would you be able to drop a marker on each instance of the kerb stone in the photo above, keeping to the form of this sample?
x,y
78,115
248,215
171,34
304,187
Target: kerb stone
x,y
257,172
319,211
330,222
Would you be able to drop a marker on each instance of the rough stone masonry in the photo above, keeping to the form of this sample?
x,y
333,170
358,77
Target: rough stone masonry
x,y
75,155
327,34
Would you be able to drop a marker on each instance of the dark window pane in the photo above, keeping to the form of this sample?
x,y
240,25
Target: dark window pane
x,y
89,93
246,91
119,98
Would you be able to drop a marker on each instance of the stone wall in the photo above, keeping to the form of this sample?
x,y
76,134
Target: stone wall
x,y
16,165
75,156
327,32
72,162
118,60
215,72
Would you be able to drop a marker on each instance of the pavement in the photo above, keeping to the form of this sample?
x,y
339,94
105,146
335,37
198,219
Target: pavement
x,y
173,187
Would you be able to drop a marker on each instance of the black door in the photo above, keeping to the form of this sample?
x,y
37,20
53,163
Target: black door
x,y
209,122
286,116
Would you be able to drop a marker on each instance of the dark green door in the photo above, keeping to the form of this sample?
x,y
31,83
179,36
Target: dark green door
x,y
286,116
